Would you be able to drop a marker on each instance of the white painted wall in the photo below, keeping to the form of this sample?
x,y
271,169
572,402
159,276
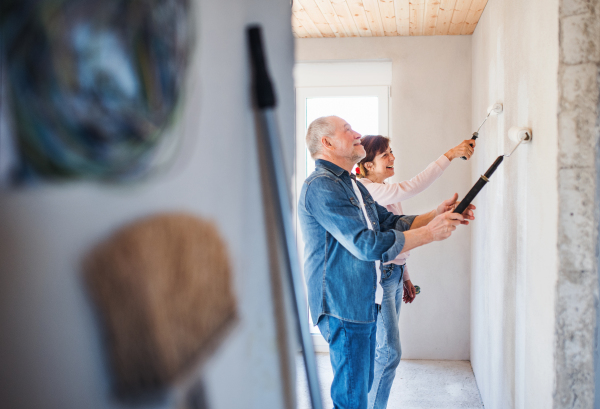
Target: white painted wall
x,y
514,242
50,348
431,113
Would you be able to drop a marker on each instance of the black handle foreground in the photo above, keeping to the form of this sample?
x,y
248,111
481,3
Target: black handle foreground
x,y
462,206
276,193
265,97
492,169
475,136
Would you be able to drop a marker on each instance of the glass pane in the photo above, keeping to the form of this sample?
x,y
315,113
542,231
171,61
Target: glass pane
x,y
361,112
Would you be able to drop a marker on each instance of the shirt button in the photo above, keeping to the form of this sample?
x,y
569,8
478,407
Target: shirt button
x,y
373,222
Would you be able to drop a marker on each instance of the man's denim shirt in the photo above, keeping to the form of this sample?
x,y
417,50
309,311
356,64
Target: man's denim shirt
x,y
340,250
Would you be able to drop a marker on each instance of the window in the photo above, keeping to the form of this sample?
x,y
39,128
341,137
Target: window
x,y
358,92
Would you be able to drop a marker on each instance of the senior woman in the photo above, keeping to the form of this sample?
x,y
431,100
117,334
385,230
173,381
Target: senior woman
x,y
372,171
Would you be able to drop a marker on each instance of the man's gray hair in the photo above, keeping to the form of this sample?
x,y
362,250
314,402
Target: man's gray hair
x,y
318,128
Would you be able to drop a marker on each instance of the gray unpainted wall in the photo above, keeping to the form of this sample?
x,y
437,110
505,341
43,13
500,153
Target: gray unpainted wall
x,y
576,342
51,350
430,113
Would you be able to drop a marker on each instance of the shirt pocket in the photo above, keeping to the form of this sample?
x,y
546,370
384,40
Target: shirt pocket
x,y
354,202
351,211
370,219
372,211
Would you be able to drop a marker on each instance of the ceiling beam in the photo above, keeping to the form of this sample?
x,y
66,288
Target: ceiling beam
x,y
332,18
461,9
298,29
304,19
417,15
388,18
374,17
360,17
473,16
402,12
345,15
319,20
445,17
432,9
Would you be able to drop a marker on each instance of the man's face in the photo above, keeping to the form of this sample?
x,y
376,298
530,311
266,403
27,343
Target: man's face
x,y
346,142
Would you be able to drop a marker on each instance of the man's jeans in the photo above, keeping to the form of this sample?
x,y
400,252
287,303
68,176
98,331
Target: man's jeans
x,y
351,351
387,356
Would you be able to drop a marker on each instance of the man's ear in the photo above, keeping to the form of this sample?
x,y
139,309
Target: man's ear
x,y
326,142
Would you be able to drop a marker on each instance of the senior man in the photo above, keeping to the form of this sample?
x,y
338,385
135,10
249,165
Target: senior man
x,y
346,235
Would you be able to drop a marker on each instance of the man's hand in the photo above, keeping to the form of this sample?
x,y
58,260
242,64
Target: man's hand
x,y
442,226
409,292
465,148
468,213
449,206
426,228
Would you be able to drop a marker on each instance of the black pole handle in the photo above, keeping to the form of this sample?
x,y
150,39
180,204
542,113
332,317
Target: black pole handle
x,y
475,136
462,206
278,198
494,166
265,96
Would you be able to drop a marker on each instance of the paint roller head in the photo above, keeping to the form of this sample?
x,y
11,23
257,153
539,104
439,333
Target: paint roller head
x,y
495,109
519,134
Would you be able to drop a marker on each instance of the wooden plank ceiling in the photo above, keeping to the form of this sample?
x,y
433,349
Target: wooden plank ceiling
x,y
378,18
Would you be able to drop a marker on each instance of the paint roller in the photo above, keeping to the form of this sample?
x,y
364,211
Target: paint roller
x,y
519,135
495,109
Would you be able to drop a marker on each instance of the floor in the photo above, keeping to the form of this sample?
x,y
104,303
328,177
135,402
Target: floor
x,y
418,385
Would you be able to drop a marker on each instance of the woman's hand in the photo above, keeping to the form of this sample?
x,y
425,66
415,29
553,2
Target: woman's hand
x,y
409,292
447,205
465,148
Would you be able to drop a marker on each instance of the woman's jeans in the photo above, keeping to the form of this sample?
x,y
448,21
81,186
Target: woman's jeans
x,y
351,351
388,352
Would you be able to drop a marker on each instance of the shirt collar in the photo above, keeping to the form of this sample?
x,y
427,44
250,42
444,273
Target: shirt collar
x,y
335,169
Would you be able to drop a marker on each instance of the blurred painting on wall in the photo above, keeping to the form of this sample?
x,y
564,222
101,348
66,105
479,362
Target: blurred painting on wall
x,y
89,87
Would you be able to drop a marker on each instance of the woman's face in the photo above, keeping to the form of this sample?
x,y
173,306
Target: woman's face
x,y
382,166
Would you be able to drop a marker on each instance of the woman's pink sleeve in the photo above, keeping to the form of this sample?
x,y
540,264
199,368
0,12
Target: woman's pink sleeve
x,y
386,194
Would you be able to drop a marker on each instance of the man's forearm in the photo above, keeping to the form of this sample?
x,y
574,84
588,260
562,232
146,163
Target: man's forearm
x,y
423,219
416,237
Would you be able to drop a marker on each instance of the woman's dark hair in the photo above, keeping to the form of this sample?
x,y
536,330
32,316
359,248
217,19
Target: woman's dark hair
x,y
374,145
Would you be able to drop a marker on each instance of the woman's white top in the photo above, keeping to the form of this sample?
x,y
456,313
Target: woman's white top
x,y
391,194
379,290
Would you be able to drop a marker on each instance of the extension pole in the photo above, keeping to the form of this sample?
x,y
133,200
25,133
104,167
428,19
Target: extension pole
x,y
269,143
483,179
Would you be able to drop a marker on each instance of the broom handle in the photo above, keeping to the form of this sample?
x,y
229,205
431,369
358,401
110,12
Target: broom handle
x,y
269,143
